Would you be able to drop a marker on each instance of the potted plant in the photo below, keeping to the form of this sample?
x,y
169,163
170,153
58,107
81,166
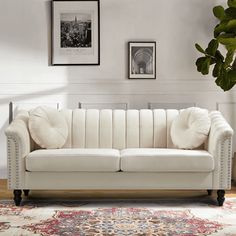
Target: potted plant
x,y
223,61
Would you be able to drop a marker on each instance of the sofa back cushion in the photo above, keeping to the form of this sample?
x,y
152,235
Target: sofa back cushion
x,y
119,129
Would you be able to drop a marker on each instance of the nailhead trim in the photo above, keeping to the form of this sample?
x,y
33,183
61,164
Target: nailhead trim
x,y
229,162
9,173
225,155
10,157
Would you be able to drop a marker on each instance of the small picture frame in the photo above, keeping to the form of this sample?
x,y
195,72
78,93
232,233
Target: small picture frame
x,y
75,32
142,60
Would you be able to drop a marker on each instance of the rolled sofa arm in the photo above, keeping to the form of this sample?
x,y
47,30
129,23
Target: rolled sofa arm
x,y
18,146
220,146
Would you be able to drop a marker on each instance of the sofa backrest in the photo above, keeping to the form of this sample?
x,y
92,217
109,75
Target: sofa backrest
x,y
119,129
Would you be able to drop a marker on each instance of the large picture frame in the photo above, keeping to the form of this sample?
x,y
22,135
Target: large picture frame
x,y
75,32
142,60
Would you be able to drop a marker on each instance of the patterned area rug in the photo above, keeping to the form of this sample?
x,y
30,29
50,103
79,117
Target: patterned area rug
x,y
136,218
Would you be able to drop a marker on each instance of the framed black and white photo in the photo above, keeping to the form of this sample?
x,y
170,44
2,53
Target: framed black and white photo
x,y
142,60
75,32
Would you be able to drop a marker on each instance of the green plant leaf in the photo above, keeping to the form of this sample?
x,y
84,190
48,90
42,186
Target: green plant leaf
x,y
231,3
219,56
213,61
217,69
222,27
206,66
231,12
227,79
219,12
203,65
218,81
227,85
226,35
232,75
229,58
227,39
230,47
231,26
199,48
212,47
199,63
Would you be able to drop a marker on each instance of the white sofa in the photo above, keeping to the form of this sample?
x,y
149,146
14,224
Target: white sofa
x,y
118,149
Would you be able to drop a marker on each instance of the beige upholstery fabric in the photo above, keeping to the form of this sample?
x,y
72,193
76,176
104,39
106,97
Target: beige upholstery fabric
x,y
118,180
119,129
146,129
78,128
166,160
92,128
160,128
124,127
105,160
18,146
68,115
105,129
171,114
132,128
191,127
48,127
220,146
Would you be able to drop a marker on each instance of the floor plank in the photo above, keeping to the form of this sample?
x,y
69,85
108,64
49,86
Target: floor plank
x,y
110,194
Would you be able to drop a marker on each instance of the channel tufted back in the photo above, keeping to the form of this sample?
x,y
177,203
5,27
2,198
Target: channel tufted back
x,y
119,129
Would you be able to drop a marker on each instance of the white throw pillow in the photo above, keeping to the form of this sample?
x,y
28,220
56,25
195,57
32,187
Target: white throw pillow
x,y
48,127
190,128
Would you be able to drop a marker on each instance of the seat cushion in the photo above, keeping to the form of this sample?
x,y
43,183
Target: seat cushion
x,y
105,160
166,160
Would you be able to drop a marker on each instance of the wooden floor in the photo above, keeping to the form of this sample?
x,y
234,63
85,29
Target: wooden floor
x,y
110,194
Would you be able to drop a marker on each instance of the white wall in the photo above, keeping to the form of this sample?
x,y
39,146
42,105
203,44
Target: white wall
x,y
27,77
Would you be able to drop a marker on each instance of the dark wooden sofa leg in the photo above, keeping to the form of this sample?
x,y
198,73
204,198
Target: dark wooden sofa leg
x,y
26,192
17,197
209,192
221,197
